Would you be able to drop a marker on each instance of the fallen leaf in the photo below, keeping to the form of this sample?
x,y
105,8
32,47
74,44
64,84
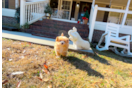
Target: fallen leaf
x,y
18,84
45,71
41,76
10,59
24,51
4,81
45,79
131,73
8,48
83,57
17,73
50,86
29,43
46,66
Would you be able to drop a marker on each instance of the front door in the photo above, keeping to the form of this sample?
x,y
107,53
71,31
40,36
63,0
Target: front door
x,y
66,7
81,10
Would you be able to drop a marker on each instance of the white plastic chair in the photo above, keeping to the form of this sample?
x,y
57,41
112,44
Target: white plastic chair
x,y
112,38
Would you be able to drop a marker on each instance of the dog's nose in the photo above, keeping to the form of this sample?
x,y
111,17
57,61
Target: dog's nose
x,y
62,43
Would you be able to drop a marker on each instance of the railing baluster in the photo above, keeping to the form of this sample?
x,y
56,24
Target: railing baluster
x,y
25,13
28,13
31,12
34,11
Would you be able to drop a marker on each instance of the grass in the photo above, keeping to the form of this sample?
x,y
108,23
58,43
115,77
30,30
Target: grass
x,y
103,70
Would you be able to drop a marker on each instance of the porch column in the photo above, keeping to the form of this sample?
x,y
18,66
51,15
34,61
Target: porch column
x,y
22,12
16,3
93,3
92,22
126,12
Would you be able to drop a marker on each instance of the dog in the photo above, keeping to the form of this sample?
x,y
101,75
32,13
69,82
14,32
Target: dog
x,y
61,45
78,42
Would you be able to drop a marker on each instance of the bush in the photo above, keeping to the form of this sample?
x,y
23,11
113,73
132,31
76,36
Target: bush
x,y
17,14
48,9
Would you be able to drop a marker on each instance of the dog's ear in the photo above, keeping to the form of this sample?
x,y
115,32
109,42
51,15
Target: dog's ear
x,y
62,34
74,28
67,40
57,39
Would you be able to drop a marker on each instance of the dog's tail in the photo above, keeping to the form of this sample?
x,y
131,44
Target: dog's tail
x,y
62,34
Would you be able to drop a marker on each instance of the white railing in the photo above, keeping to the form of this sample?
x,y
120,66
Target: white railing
x,y
34,11
93,24
92,20
31,11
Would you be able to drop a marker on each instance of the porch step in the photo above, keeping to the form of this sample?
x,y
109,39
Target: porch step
x,y
52,28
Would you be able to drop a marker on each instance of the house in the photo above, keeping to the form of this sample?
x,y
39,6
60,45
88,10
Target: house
x,y
101,12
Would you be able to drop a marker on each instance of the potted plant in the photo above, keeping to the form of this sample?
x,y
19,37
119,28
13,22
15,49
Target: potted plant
x,y
48,11
17,14
85,17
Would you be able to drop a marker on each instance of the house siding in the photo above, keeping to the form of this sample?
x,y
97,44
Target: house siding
x,y
11,4
100,14
8,20
8,4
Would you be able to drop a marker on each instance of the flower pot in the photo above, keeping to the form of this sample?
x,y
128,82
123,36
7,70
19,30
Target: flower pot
x,y
47,15
85,21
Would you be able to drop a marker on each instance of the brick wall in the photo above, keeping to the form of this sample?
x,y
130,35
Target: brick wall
x,y
53,28
9,20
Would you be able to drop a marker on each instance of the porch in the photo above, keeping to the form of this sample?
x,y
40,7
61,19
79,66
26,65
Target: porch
x,y
96,24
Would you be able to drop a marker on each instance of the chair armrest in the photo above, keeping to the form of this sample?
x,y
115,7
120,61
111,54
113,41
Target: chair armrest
x,y
104,34
125,37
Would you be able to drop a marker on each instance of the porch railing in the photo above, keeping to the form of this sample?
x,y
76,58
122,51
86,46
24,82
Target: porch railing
x,y
93,23
31,11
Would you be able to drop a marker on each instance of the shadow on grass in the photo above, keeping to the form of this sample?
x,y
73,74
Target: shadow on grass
x,y
111,54
82,65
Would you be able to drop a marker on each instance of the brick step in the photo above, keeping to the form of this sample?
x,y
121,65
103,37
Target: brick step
x,y
56,30
53,28
57,33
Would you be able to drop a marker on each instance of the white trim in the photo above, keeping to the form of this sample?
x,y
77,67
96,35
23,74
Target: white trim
x,y
8,12
22,12
16,3
64,20
29,3
92,24
125,15
120,17
113,10
102,26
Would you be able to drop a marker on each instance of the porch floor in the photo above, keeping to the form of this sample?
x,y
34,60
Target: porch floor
x,y
38,40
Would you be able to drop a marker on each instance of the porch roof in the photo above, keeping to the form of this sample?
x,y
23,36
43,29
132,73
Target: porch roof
x,y
113,2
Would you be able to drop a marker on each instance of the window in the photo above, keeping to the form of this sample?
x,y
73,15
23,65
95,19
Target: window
x,y
3,3
66,6
115,17
61,8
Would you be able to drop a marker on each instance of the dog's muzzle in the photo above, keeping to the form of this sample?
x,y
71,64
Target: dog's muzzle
x,y
62,42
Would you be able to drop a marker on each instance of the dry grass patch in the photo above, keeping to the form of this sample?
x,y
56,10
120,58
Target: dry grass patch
x,y
42,69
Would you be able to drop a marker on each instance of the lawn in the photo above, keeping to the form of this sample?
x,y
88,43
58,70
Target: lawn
x,y
43,70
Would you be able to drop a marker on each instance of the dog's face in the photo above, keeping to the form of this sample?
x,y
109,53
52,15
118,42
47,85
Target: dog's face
x,y
62,40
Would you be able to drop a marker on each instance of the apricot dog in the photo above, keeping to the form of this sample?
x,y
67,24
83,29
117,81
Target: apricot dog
x,y
61,45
